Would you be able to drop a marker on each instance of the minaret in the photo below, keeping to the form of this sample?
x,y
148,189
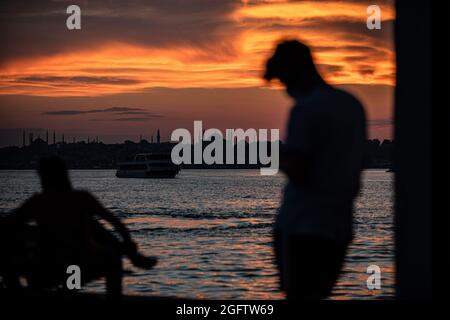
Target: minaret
x,y
23,138
54,137
158,137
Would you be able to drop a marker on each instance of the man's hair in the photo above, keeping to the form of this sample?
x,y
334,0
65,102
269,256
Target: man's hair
x,y
292,60
53,173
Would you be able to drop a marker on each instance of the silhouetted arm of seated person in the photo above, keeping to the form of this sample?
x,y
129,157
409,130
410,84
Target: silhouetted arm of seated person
x,y
98,210
19,216
128,245
15,237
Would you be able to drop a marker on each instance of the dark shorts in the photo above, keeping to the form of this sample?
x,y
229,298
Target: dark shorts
x,y
309,266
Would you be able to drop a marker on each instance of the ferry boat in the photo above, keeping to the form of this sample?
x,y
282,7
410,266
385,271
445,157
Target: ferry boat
x,y
148,165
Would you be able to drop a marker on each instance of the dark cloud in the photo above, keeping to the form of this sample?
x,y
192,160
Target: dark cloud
x,y
77,79
120,109
113,110
330,68
31,28
131,112
344,27
357,58
366,50
356,30
63,113
366,71
136,119
148,117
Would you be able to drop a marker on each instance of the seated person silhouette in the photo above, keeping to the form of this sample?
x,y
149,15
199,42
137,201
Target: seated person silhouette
x,y
70,233
322,158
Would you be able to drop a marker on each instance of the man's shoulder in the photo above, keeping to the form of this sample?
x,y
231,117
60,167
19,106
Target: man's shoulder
x,y
337,95
327,100
329,104
339,100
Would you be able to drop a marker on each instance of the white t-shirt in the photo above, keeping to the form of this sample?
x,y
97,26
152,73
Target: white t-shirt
x,y
328,126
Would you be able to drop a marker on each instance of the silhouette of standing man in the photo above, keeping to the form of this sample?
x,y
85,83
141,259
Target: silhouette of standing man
x,y
322,158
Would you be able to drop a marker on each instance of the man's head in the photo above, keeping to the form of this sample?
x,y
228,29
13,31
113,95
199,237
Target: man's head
x,y
293,65
53,174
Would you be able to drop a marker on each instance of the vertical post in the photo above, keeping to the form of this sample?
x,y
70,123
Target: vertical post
x,y
412,154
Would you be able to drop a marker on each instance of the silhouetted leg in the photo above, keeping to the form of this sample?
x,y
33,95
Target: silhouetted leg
x,y
105,263
313,267
114,279
106,238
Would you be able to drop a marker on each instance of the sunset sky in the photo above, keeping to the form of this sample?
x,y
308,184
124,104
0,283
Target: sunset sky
x,y
136,66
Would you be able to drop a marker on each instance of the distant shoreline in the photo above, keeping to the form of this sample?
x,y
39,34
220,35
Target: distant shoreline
x,y
96,155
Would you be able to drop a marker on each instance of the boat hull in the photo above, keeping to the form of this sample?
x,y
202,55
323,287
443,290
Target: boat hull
x,y
147,165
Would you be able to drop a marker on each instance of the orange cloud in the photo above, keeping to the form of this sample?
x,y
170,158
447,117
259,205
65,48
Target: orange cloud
x,y
297,11
345,51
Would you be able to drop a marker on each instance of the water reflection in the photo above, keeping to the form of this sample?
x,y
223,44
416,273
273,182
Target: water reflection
x,y
212,231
